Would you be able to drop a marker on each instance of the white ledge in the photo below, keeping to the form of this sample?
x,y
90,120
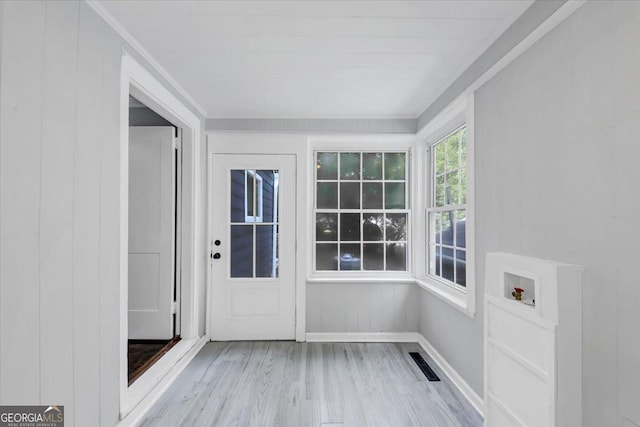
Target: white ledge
x,y
454,297
362,279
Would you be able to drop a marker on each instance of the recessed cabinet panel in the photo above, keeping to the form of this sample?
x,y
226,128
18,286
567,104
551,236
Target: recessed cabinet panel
x,y
521,390
533,359
526,339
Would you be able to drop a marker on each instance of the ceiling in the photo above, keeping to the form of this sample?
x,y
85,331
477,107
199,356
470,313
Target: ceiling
x,y
315,59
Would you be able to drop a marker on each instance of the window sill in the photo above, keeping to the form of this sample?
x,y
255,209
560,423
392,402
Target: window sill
x,y
456,298
361,278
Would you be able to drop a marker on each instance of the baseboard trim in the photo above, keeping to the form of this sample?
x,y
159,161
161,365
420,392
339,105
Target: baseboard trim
x,y
362,336
453,376
134,417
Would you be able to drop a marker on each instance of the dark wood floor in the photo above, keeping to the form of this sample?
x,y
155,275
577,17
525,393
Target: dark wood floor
x,y
283,383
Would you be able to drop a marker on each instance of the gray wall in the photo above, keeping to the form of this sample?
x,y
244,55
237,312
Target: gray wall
x,y
59,209
557,154
366,307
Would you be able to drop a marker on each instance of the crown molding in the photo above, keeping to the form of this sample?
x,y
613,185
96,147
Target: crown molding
x,y
113,23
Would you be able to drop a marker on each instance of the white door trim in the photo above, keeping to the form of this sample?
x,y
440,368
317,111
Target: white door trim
x,y
278,293
136,80
258,147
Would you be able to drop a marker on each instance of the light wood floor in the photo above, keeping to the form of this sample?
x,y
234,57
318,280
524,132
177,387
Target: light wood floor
x,y
281,383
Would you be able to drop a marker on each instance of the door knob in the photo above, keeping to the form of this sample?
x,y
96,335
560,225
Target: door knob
x,y
216,255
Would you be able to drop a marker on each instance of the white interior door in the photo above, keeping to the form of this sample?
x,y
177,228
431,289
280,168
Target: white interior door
x,y
151,232
253,247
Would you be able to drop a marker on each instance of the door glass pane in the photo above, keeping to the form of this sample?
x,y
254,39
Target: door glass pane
x,y
349,165
241,259
268,203
327,166
350,256
238,195
253,250
326,256
266,251
250,191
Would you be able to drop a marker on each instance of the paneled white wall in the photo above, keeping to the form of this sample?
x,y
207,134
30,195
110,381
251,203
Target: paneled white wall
x,y
59,209
557,154
362,307
331,306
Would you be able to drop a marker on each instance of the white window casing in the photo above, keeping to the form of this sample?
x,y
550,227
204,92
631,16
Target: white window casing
x,y
459,114
363,144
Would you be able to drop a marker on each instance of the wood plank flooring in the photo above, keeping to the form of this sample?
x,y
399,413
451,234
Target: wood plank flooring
x,y
283,383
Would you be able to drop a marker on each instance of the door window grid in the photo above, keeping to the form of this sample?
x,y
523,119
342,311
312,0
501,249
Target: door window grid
x,y
390,212
248,231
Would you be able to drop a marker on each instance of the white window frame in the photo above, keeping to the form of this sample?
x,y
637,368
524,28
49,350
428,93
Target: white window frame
x,y
256,202
460,113
365,144
446,208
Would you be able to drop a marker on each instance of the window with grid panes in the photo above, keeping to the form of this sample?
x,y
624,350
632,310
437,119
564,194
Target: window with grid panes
x,y
361,211
447,209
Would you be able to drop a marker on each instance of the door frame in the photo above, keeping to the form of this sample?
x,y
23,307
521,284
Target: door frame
x,y
137,81
259,147
288,242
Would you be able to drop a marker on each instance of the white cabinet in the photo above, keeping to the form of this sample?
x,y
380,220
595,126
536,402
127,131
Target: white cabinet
x,y
533,346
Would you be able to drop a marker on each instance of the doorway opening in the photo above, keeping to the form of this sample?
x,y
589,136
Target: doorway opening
x,y
154,236
166,236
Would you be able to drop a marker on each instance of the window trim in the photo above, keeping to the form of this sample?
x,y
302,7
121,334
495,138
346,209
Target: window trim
x,y
368,144
460,113
446,208
361,210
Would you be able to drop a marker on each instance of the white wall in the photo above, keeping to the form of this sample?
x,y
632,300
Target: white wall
x,y
362,307
557,154
59,209
338,306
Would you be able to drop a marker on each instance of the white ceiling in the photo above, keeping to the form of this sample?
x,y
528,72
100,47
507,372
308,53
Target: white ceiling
x,y
315,59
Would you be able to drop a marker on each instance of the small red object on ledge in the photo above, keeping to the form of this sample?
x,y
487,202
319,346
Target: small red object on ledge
x,y
517,293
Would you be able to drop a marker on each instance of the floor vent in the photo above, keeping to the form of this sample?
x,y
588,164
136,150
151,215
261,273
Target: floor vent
x,y
424,366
